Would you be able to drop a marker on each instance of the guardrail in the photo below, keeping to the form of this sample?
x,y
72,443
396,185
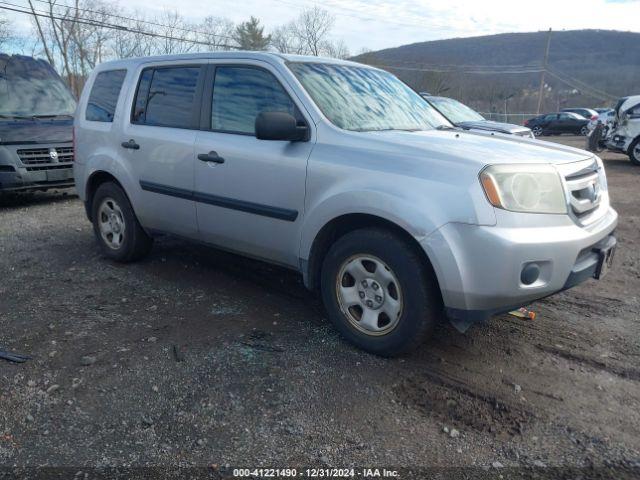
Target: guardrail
x,y
516,118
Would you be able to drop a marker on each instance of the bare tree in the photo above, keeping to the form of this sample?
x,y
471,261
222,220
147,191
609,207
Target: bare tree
x,y
173,25
129,42
286,40
337,49
5,31
217,32
309,34
312,29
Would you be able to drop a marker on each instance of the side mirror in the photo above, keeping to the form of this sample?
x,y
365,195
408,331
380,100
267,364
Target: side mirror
x,y
279,126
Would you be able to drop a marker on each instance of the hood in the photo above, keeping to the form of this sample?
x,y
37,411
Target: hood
x,y
493,126
467,147
35,131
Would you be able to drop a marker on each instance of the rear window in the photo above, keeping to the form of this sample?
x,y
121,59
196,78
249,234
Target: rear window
x,y
104,95
166,97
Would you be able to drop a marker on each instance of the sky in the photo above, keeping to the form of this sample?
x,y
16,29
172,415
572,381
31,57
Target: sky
x,y
377,24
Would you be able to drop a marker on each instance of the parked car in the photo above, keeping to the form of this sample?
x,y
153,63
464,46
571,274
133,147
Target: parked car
x,y
468,119
339,171
625,136
558,123
588,113
36,125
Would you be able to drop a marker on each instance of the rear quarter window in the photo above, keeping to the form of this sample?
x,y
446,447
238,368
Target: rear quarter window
x,y
103,98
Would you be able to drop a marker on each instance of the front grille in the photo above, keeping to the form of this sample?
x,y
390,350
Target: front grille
x,y
46,158
586,192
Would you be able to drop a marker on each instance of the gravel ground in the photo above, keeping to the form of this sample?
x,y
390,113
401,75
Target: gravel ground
x,y
194,357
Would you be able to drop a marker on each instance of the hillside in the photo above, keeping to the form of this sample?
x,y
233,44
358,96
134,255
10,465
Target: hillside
x,y
602,59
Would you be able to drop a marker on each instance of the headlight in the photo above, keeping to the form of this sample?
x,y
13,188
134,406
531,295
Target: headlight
x,y
524,188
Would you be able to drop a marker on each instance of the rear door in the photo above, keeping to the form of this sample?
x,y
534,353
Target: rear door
x,y
159,139
253,202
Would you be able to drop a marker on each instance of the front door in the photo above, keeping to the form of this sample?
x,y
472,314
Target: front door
x,y
249,193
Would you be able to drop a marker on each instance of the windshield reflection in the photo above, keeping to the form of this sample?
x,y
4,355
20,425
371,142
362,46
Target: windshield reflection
x,y
365,99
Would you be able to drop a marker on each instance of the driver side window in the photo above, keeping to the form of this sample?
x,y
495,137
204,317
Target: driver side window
x,y
241,93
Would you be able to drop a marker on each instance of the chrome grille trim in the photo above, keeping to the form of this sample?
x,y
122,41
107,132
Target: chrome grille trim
x,y
45,156
586,193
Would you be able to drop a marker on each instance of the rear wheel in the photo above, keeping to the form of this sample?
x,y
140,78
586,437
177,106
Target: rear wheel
x,y
116,227
583,131
634,152
379,293
537,130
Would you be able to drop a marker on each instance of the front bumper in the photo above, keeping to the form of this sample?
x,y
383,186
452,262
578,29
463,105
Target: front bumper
x,y
36,172
24,180
479,268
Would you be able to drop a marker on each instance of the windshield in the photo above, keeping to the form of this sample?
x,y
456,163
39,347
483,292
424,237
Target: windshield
x,y
30,88
455,111
364,99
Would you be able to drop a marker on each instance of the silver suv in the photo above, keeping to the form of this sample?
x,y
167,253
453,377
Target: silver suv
x,y
341,172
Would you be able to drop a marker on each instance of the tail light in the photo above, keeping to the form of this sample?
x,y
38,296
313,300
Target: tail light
x,y
594,118
526,123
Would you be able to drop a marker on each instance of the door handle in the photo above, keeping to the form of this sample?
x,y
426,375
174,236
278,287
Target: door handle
x,y
131,144
210,157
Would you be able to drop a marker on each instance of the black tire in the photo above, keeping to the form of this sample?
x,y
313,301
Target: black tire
x,y
421,299
537,131
634,155
136,243
584,131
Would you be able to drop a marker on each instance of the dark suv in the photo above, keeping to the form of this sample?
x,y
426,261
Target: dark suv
x,y
36,126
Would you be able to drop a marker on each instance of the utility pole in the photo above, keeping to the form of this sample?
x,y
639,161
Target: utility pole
x,y
545,62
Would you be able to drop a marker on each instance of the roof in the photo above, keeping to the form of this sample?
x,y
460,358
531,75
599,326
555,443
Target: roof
x,y
270,57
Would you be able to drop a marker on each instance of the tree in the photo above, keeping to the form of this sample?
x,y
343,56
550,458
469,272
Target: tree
x,y
309,34
217,32
5,31
250,35
312,29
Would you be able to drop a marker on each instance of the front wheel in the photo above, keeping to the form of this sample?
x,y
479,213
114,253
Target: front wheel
x,y
379,293
634,152
116,227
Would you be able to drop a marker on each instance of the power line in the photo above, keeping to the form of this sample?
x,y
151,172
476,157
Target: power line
x,y
122,17
40,13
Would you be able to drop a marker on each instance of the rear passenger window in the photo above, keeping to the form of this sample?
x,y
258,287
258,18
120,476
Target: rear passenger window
x,y
104,96
166,97
241,93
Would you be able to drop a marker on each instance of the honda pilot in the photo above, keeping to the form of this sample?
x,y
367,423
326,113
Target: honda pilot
x,y
343,173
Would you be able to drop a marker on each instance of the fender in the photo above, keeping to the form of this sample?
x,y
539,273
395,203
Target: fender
x,y
400,211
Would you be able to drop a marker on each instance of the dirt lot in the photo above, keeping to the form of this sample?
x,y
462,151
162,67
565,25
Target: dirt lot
x,y
265,381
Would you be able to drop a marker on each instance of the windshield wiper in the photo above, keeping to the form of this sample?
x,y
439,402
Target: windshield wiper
x,y
445,127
